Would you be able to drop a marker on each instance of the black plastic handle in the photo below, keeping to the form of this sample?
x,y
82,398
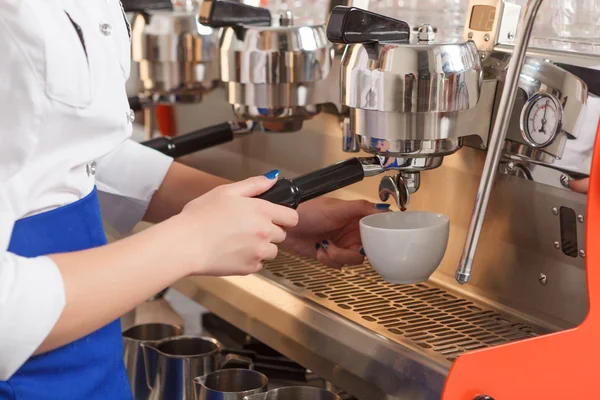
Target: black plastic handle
x,y
142,5
292,192
135,103
350,25
221,13
192,142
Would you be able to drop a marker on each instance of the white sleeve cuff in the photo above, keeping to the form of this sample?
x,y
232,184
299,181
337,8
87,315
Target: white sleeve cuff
x,y
127,178
32,297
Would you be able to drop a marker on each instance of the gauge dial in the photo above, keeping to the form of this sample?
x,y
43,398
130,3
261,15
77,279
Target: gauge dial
x,y
541,119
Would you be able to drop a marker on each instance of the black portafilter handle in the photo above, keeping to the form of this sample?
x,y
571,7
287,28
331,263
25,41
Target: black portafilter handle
x,y
143,5
292,192
351,25
135,103
222,13
192,142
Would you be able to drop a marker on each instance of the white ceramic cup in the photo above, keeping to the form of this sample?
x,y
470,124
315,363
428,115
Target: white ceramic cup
x,y
405,247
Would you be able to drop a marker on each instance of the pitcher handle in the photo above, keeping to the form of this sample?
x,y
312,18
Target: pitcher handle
x,y
149,366
236,361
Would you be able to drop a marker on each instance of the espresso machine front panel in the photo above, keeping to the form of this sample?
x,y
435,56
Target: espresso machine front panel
x,y
383,341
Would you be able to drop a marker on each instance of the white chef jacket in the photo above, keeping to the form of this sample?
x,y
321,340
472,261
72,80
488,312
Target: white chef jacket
x,y
65,126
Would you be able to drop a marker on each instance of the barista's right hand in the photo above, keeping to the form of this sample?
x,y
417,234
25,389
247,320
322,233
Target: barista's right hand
x,y
228,232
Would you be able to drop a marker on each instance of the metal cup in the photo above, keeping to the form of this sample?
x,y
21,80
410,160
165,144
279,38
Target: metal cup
x,y
295,393
173,363
230,384
133,356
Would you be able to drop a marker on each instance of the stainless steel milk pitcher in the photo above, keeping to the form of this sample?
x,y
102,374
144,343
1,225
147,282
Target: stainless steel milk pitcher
x,y
133,355
295,393
230,384
172,364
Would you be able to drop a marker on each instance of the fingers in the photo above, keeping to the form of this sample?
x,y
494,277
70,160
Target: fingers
x,y
580,186
278,234
280,215
324,259
254,186
362,208
270,252
335,257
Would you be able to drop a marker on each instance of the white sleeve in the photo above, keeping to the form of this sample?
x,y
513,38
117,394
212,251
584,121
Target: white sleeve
x,y
126,179
32,295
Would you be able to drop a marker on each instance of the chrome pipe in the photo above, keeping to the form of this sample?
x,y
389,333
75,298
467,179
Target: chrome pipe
x,y
507,101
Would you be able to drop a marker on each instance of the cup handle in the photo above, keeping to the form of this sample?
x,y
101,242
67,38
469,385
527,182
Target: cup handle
x,y
235,361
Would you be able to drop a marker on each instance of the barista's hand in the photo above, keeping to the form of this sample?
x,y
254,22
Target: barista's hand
x,y
580,186
227,232
328,230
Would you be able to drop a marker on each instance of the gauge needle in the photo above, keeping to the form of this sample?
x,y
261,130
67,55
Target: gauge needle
x,y
544,116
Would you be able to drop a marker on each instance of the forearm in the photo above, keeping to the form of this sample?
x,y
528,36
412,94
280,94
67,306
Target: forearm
x,y
104,283
181,185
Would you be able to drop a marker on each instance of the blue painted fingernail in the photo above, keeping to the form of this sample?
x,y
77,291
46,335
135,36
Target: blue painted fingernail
x,y
317,245
272,174
362,251
382,206
325,243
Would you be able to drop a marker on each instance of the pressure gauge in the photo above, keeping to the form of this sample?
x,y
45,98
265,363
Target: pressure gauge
x,y
541,119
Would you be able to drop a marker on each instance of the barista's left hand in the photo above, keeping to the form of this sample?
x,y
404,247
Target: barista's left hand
x,y
328,230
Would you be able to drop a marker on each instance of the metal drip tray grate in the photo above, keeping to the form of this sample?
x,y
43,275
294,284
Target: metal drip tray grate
x,y
428,316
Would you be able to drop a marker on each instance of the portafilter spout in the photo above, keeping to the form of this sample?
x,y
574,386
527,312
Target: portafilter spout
x,y
400,187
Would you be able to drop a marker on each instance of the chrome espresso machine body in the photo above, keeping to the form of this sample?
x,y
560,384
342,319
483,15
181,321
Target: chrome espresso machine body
x,y
444,118
178,64
276,74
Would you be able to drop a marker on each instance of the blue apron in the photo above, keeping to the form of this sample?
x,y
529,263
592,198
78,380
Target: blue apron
x,y
90,368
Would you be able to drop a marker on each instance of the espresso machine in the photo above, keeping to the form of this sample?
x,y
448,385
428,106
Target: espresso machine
x,y
182,56
483,128
278,74
177,63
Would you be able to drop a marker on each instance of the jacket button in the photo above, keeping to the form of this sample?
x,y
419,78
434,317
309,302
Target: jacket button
x,y
90,168
106,29
131,116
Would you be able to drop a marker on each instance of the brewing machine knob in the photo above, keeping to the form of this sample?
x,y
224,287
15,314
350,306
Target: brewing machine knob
x,y
222,13
351,25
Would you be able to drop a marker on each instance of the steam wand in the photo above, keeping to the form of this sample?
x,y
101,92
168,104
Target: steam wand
x,y
507,101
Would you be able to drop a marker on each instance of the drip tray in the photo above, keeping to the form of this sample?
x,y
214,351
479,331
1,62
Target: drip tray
x,y
437,322
373,339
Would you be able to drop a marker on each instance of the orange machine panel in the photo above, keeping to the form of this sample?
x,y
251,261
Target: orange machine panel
x,y
562,366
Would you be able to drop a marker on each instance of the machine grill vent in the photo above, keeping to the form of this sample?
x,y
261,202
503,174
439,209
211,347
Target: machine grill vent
x,y
426,315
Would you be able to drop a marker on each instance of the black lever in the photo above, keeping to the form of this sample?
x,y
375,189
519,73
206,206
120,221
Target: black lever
x,y
349,25
192,142
221,13
292,192
143,5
